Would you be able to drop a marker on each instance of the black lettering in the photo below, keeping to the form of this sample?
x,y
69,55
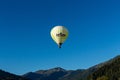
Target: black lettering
x,y
60,35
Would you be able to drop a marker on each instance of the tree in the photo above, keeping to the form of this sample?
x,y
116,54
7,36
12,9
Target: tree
x,y
103,78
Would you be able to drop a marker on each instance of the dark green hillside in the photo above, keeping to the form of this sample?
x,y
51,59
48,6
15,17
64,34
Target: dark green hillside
x,y
110,71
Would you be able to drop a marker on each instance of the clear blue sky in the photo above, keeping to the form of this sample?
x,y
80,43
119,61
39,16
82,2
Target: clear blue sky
x,y
26,44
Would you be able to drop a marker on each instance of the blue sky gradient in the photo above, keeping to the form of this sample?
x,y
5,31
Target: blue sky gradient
x,y
26,44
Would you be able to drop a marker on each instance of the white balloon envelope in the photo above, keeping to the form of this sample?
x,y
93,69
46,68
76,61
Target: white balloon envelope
x,y
59,34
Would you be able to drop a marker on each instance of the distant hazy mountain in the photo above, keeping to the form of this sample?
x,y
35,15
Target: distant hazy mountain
x,y
51,74
8,76
109,69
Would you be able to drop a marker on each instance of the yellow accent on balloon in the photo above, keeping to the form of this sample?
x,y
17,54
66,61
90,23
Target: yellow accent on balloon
x,y
59,34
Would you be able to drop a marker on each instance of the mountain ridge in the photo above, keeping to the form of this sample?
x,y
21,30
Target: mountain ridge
x,y
9,76
108,70
80,74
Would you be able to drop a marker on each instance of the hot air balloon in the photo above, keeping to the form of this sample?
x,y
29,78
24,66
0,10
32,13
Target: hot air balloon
x,y
59,34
